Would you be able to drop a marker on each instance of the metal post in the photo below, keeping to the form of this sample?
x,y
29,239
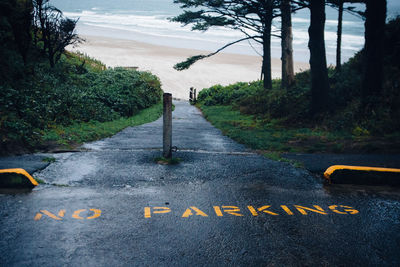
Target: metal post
x,y
167,125
191,95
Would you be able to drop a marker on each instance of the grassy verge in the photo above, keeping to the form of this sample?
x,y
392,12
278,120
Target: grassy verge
x,y
78,133
272,138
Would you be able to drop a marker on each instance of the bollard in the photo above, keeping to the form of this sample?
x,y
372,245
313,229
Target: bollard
x,y
191,95
194,96
167,125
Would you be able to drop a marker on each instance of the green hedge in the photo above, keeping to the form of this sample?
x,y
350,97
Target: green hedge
x,y
77,90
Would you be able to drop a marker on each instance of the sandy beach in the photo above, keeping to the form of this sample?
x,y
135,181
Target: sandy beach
x,y
221,69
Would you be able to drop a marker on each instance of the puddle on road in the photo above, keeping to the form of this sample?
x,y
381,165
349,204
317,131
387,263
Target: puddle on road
x,y
95,146
69,168
214,141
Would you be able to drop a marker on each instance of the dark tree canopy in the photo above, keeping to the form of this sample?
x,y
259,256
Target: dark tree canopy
x,y
251,17
15,25
54,30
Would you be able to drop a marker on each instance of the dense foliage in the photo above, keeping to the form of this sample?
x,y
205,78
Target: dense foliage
x,y
291,107
69,93
43,87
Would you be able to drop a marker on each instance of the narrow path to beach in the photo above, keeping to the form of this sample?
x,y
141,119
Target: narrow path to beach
x,y
224,205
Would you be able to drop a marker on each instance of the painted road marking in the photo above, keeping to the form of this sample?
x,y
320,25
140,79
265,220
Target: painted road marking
x,y
221,211
346,209
189,212
317,209
262,209
156,210
287,210
39,215
218,211
61,214
96,213
232,210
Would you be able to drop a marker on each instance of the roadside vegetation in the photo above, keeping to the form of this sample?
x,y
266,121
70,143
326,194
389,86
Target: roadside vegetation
x,y
254,19
279,119
79,132
75,102
50,96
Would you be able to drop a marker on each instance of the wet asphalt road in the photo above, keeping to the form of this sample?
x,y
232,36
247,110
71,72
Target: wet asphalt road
x,y
222,205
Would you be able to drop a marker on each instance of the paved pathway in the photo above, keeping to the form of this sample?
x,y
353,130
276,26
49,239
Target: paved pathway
x,y
222,205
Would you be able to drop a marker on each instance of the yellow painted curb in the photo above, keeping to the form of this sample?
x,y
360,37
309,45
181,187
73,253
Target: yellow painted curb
x,y
23,172
332,169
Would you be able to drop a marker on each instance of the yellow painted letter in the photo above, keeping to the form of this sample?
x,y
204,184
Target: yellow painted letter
x,y
76,214
218,211
189,212
232,210
317,209
39,215
156,210
96,214
252,210
285,208
264,209
147,212
346,209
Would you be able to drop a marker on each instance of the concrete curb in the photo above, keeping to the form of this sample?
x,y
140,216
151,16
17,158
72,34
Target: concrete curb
x,y
318,163
343,174
14,179
30,162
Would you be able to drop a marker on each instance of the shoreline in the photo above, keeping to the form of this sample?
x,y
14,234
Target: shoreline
x,y
223,68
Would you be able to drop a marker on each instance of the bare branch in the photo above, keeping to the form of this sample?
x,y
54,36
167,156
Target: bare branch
x,y
191,60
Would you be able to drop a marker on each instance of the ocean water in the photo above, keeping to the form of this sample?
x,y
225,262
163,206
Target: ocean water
x,y
147,21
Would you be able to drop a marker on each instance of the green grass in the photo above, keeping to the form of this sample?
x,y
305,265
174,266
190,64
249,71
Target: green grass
x,y
277,156
85,132
49,160
271,138
79,58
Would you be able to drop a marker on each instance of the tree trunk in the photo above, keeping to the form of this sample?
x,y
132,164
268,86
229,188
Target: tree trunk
x,y
287,45
266,65
375,19
319,71
339,38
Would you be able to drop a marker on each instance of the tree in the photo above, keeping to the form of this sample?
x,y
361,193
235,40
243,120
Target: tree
x,y
316,44
319,70
54,30
339,4
287,44
375,19
252,17
16,21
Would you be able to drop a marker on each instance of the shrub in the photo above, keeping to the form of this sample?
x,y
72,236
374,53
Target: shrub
x,y
69,93
125,91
